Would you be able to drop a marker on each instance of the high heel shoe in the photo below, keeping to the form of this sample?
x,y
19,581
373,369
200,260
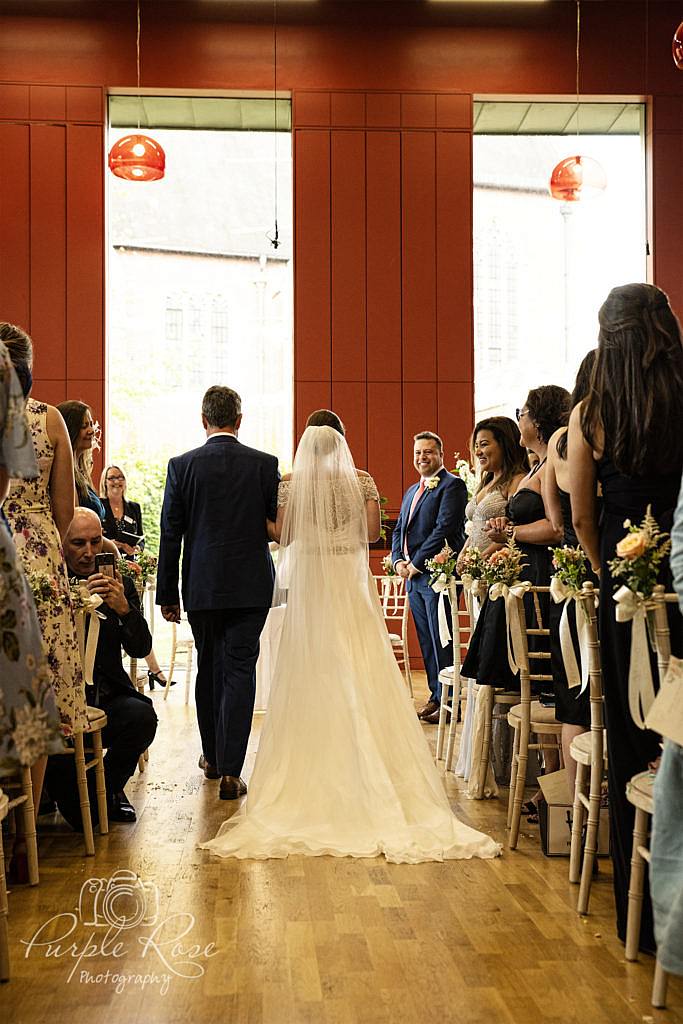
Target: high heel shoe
x,y
154,677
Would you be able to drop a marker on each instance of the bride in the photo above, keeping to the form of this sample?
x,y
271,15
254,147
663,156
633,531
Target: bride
x,y
342,767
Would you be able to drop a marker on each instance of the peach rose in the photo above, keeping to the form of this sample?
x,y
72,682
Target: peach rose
x,y
441,558
633,545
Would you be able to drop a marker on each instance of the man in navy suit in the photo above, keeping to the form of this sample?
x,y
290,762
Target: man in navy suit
x,y
216,503
432,514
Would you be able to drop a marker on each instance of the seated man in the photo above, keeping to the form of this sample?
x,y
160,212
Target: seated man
x,y
131,720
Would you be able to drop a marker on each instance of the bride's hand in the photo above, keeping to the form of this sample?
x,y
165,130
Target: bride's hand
x,y
495,529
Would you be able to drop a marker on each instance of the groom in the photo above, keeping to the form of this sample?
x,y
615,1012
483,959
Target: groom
x,y
216,503
432,514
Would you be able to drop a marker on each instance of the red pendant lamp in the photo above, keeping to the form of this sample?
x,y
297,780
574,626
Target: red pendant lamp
x,y
137,157
677,47
577,177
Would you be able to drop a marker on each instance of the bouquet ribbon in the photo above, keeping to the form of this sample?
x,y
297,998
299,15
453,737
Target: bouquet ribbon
x,y
510,594
88,647
632,607
475,591
390,586
442,586
559,592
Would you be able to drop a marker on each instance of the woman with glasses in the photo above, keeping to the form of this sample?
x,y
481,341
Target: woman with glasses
x,y
122,525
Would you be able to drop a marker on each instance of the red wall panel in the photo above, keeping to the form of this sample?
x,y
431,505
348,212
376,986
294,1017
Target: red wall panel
x,y
454,257
48,246
347,254
349,401
309,395
47,103
419,255
51,391
312,352
383,184
420,407
385,440
15,248
455,418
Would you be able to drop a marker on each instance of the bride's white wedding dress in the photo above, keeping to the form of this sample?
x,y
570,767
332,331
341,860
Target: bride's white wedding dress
x,y
342,766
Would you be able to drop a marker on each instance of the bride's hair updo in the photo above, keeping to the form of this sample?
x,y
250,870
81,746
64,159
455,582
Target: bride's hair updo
x,y
636,392
326,418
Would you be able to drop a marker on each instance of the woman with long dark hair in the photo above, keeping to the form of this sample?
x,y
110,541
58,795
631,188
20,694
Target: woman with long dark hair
x,y
628,434
572,707
82,432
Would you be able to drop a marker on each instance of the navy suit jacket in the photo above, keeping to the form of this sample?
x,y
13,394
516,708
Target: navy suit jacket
x,y
439,517
216,503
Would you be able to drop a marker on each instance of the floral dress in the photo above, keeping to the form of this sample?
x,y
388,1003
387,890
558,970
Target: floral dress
x,y
29,512
29,723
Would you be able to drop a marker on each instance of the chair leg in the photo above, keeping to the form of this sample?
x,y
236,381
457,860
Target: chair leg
x,y
446,692
171,664
635,886
4,934
79,755
591,845
520,782
577,823
29,820
409,676
188,670
485,743
450,745
100,784
513,774
659,987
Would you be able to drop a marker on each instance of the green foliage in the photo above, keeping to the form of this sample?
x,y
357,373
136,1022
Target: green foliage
x,y
145,481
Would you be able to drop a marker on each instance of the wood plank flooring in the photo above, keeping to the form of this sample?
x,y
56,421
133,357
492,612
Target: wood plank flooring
x,y
314,940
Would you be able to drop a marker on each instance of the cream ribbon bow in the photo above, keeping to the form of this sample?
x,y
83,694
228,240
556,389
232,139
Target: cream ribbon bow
x,y
633,607
442,586
559,592
390,588
88,648
475,591
514,633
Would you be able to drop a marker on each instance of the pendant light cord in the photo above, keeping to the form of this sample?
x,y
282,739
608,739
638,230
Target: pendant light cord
x,y
578,66
275,239
137,54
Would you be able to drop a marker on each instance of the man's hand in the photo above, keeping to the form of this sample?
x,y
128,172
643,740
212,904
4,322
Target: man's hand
x,y
171,612
411,571
401,568
110,590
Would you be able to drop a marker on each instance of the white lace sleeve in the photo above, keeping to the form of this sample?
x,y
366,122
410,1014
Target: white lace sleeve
x,y
283,493
368,488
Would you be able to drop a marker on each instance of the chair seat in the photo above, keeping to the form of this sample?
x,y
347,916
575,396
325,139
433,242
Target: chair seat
x,y
446,674
581,747
97,719
540,716
639,791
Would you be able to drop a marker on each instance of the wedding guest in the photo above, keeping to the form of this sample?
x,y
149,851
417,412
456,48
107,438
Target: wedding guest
x,y
628,435
121,517
432,514
39,512
131,721
82,433
502,466
29,723
666,848
572,708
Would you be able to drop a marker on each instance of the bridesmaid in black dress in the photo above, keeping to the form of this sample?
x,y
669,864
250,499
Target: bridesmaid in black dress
x,y
545,409
572,707
628,434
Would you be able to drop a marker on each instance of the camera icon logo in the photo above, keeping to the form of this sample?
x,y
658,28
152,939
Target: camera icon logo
x,y
122,901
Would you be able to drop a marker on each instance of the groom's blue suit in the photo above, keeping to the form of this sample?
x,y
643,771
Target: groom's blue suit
x,y
216,503
438,517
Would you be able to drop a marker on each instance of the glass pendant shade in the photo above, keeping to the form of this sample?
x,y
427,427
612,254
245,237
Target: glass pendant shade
x,y
576,178
677,47
137,158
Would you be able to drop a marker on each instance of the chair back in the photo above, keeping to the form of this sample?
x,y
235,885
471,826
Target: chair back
x,y
393,598
520,643
586,606
661,628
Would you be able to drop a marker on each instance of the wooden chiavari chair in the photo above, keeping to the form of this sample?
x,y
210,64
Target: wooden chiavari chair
x,y
394,600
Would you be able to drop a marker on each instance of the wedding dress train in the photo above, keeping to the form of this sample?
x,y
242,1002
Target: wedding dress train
x,y
342,767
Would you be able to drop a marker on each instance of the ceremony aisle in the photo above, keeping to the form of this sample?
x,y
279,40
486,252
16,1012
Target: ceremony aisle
x,y
317,940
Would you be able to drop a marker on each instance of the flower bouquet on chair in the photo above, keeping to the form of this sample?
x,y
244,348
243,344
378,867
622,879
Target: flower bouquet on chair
x,y
441,569
571,572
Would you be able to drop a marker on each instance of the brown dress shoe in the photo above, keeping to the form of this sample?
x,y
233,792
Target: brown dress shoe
x,y
210,770
429,709
433,719
232,788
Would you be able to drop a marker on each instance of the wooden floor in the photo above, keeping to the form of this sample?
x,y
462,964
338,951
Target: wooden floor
x,y
319,940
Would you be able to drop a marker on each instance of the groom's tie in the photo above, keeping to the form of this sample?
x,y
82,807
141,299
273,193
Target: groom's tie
x,y
413,505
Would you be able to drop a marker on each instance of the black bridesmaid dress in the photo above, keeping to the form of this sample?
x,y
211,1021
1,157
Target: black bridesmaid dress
x,y
629,748
571,706
487,657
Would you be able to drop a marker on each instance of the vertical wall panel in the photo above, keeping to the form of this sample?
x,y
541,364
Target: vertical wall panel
x,y
349,401
312,351
85,254
455,418
419,413
455,357
385,440
15,275
419,256
383,163
668,214
48,247
348,255
309,395
51,391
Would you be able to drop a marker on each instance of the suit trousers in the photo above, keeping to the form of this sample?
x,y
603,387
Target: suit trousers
x,y
424,604
227,641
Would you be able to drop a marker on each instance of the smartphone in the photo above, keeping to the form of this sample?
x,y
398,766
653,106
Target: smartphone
x,y
104,563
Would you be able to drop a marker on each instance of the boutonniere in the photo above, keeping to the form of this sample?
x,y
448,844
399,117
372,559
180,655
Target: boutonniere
x,y
431,483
